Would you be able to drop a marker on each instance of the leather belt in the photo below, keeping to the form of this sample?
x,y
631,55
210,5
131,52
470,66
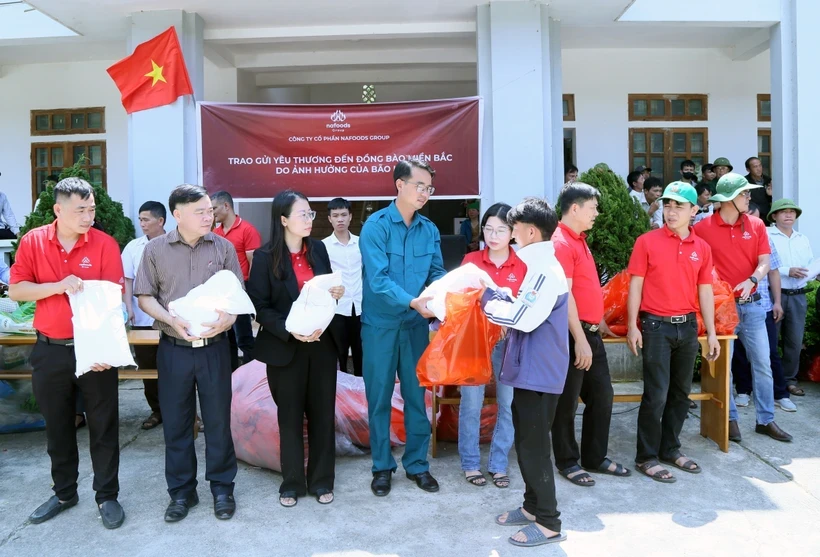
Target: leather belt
x,y
675,319
793,292
200,343
589,327
753,298
57,341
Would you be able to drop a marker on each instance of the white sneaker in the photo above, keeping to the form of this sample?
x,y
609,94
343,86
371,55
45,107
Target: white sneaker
x,y
742,401
786,405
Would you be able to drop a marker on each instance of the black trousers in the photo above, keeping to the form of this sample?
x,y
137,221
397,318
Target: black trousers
x,y
532,414
595,389
742,369
182,372
351,340
242,338
306,387
56,389
146,358
7,234
669,352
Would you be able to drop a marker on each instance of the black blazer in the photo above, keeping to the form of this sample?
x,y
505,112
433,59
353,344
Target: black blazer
x,y
273,298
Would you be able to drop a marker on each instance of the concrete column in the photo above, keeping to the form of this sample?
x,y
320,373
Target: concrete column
x,y
162,142
519,80
795,112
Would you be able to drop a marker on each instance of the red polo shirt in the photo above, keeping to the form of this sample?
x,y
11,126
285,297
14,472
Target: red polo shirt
x,y
301,267
735,247
510,274
672,270
572,252
41,259
244,238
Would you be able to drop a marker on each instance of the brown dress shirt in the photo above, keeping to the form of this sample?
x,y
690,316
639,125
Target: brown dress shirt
x,y
170,268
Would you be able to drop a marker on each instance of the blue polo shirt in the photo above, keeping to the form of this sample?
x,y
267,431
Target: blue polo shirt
x,y
398,262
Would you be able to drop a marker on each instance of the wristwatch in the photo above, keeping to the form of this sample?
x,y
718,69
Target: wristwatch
x,y
753,279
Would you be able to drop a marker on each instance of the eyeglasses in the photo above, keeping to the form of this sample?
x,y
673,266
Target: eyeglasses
x,y
306,216
421,187
747,194
500,231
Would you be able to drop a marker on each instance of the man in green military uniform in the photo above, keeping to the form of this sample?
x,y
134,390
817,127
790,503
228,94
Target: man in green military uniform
x,y
720,167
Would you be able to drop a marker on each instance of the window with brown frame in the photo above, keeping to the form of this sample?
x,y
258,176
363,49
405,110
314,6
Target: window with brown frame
x,y
764,149
67,121
764,108
568,102
664,149
668,107
49,159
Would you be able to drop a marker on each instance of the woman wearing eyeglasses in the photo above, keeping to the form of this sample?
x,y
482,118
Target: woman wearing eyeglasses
x,y
301,369
505,268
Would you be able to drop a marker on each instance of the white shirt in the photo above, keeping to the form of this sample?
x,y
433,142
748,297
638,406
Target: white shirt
x,y
131,257
347,259
794,251
702,215
657,217
641,197
7,215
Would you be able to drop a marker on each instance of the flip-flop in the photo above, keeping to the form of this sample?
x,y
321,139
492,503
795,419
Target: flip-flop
x,y
657,476
475,479
152,421
320,493
674,462
514,518
578,477
536,537
288,495
796,391
620,470
502,481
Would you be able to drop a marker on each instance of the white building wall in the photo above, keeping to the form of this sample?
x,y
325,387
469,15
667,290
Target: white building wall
x,y
602,79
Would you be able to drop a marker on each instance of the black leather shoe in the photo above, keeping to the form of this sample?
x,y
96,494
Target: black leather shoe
x,y
734,431
773,430
380,486
425,481
224,506
112,514
51,508
177,510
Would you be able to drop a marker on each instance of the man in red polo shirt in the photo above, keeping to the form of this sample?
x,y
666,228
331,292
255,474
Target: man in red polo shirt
x,y
671,271
588,374
741,249
245,238
53,261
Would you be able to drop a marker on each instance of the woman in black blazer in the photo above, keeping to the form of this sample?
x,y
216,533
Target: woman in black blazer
x,y
301,370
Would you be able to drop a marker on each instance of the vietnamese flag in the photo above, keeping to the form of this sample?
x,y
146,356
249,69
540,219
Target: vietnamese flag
x,y
154,75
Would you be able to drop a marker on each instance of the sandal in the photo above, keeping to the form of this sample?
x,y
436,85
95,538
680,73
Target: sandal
x,y
288,495
501,481
620,470
514,518
796,391
152,421
477,480
322,492
688,464
644,467
578,479
536,537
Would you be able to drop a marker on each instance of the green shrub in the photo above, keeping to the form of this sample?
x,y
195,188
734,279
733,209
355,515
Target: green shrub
x,y
109,212
811,337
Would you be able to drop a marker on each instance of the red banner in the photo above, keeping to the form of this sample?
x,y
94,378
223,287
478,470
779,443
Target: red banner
x,y
258,150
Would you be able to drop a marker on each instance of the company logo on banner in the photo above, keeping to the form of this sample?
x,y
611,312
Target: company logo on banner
x,y
256,151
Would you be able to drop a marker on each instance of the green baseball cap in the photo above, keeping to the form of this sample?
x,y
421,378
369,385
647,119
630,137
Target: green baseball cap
x,y
723,161
730,186
781,204
682,192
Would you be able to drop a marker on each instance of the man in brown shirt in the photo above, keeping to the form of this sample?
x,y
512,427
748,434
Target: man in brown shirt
x,y
171,266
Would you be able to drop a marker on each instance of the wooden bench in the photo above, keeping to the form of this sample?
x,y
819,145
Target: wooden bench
x,y
136,338
715,391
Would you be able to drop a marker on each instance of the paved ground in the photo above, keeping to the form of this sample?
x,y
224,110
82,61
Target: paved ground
x,y
762,498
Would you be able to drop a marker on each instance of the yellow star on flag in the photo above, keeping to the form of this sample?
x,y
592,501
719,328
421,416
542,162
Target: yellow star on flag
x,y
156,74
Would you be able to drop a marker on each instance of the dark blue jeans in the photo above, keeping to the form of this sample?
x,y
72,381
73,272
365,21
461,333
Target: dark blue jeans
x,y
742,369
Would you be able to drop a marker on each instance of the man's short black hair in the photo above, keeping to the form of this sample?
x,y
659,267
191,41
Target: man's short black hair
x,y
749,165
632,177
570,168
222,197
702,187
404,169
156,209
577,193
339,204
72,185
536,212
185,194
652,182
708,167
687,162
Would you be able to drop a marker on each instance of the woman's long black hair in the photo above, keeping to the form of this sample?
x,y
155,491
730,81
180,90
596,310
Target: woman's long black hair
x,y
499,210
281,207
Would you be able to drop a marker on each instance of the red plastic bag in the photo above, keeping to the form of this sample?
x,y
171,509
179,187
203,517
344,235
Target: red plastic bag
x,y
460,353
447,423
616,292
813,371
726,318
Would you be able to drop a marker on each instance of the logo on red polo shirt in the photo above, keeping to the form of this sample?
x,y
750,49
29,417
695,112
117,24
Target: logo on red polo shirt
x,y
85,263
694,256
746,236
512,278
